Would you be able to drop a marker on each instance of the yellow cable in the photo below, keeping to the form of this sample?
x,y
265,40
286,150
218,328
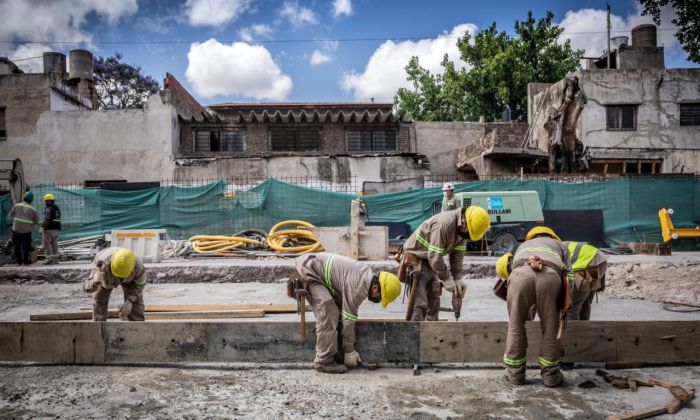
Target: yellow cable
x,y
221,244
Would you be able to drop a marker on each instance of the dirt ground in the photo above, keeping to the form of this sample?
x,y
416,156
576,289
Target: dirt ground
x,y
656,281
251,393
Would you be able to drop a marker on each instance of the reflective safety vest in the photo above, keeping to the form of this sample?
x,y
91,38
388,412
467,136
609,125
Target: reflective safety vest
x,y
581,254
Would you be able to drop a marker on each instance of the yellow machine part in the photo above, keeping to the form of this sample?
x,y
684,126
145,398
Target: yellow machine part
x,y
669,232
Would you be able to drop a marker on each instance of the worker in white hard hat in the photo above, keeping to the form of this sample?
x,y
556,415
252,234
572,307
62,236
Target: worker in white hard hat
x,y
114,267
449,201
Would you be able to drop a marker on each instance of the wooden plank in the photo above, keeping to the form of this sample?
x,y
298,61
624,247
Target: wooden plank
x,y
155,342
260,342
89,342
384,341
658,341
48,342
11,341
269,308
255,313
640,413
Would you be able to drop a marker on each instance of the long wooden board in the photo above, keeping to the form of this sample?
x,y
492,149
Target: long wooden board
x,y
378,341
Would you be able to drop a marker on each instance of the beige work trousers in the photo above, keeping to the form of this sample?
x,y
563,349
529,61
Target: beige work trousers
x,y
327,316
49,240
541,289
426,306
132,310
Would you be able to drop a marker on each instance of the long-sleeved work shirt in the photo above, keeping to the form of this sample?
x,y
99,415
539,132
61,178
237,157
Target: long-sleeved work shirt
x,y
437,237
24,217
102,271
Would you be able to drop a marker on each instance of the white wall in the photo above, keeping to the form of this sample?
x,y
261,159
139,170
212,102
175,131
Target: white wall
x,y
73,146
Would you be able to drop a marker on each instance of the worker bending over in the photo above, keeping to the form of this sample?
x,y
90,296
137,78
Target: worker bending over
x,y
337,286
589,265
539,278
443,234
114,267
24,216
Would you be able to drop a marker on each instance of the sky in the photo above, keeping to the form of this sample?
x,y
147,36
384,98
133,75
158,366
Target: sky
x,y
295,50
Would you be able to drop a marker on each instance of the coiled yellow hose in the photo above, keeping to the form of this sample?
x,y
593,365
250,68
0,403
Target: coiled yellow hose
x,y
302,241
221,245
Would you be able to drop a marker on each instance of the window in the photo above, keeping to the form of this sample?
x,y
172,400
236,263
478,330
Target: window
x,y
368,140
3,133
690,114
219,141
299,139
621,117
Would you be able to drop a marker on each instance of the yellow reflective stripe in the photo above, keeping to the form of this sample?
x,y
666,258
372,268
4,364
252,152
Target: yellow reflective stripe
x,y
461,248
327,265
514,362
570,277
536,249
141,283
548,363
26,206
349,316
23,220
428,245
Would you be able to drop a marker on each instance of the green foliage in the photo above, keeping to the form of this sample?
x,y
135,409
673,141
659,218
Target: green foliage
x,y
687,20
499,67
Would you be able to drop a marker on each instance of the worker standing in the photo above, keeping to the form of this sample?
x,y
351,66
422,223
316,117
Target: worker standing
x,y
436,237
539,277
51,228
24,217
337,286
449,201
114,267
589,265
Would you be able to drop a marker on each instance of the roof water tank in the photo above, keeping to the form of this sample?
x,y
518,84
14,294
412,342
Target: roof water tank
x,y
80,64
618,41
54,63
644,35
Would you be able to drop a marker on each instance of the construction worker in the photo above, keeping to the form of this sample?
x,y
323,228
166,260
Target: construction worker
x,y
50,229
443,234
539,278
114,267
449,201
24,217
589,265
337,286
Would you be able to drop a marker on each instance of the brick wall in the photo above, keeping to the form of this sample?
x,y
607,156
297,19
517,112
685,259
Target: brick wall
x,y
257,140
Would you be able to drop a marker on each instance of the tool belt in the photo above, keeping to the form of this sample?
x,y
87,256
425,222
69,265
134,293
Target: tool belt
x,y
500,289
295,284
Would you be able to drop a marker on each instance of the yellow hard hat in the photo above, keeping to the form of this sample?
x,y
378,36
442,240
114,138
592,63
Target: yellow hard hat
x,y
49,197
502,266
478,222
541,230
123,262
391,287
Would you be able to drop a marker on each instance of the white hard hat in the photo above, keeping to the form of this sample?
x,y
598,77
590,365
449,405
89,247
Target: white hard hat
x,y
448,186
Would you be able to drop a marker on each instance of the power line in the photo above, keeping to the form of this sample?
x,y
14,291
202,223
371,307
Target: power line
x,y
288,41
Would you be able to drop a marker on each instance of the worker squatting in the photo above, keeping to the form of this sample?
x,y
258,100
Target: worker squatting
x,y
545,276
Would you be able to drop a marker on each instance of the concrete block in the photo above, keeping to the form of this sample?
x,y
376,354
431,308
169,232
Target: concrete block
x,y
155,342
272,342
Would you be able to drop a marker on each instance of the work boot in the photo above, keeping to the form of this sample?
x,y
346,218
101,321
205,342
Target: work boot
x,y
514,380
332,367
558,381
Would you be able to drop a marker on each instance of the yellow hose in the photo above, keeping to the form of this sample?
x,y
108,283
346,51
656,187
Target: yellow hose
x,y
302,241
290,241
220,244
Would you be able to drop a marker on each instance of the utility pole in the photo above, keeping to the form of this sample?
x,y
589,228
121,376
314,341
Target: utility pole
x,y
609,36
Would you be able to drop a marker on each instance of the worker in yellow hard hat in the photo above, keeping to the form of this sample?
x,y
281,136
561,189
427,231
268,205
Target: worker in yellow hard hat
x,y
538,276
114,267
50,229
445,233
337,286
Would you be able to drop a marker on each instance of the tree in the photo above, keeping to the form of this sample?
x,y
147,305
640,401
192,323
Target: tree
x,y
687,20
499,67
120,85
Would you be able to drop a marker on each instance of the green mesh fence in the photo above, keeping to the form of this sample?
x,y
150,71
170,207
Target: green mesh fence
x,y
629,206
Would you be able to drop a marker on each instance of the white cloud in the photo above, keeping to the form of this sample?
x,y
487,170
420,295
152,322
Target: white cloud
x,y
238,69
215,12
586,28
49,21
297,15
385,71
35,65
342,7
256,31
317,57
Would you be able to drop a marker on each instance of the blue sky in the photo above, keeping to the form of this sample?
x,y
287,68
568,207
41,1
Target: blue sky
x,y
239,50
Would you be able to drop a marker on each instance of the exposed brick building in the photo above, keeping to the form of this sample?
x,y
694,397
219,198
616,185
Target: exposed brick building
x,y
300,129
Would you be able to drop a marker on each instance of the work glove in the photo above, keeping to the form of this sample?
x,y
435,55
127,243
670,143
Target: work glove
x,y
449,284
352,359
460,288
